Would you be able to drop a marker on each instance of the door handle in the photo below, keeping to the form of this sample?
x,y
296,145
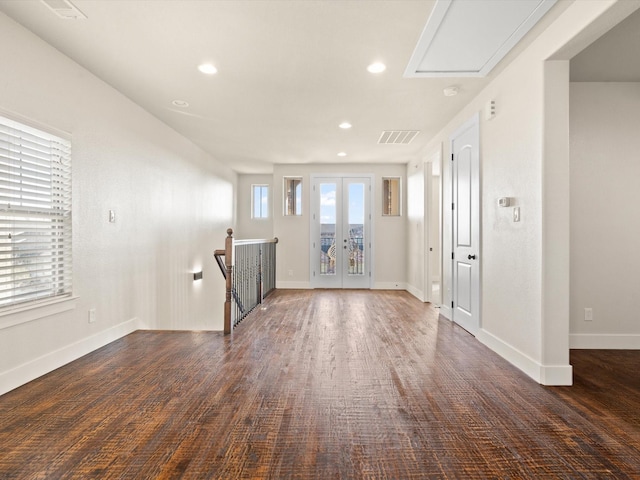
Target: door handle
x,y
471,257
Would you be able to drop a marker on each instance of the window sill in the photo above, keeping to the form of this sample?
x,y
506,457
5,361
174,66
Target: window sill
x,y
27,313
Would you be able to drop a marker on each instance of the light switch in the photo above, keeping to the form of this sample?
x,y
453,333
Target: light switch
x,y
490,110
112,216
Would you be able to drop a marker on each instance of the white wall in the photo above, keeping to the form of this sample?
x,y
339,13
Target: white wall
x,y
605,171
247,227
173,204
524,155
293,232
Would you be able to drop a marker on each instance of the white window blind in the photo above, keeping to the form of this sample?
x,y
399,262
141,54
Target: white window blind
x,y
35,214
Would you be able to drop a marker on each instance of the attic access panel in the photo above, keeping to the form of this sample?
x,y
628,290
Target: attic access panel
x,y
467,38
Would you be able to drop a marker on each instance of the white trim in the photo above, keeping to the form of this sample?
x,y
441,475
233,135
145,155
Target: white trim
x,y
604,341
35,368
445,311
35,311
436,17
433,25
389,286
556,375
544,374
416,292
435,158
37,124
268,187
293,285
514,356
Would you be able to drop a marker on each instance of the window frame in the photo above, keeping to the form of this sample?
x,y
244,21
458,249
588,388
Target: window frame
x,y
292,205
391,199
35,215
264,209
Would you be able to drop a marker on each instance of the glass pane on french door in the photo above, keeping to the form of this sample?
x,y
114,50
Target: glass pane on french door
x,y
341,233
328,224
355,215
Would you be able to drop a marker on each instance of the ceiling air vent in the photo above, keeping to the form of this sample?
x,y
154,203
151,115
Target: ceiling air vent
x,y
64,9
397,137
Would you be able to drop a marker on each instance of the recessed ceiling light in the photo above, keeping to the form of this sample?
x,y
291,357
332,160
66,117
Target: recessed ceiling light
x,y
377,67
180,103
342,154
345,125
208,68
451,91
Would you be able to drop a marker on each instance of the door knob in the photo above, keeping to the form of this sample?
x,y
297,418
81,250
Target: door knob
x,y
471,257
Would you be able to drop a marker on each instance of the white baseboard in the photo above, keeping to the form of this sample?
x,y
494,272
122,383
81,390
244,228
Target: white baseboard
x,y
556,375
604,341
416,292
33,369
445,311
293,285
389,286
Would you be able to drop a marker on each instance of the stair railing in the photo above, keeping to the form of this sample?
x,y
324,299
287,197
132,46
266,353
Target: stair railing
x,y
249,268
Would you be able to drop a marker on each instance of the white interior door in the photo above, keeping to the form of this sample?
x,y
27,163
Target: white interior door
x,y
341,232
465,167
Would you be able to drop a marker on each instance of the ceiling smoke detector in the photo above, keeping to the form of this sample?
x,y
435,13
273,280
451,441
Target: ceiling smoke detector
x,y
64,9
397,137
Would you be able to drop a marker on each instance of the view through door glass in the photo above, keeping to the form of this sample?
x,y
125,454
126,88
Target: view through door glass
x,y
356,246
328,224
342,232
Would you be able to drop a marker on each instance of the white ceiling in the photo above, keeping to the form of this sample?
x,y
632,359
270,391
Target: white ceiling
x,y
289,71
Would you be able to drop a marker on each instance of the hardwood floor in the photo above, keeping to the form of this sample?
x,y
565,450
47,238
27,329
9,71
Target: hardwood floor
x,y
323,385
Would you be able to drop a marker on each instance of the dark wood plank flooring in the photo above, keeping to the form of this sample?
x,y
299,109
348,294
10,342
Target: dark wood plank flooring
x,y
323,385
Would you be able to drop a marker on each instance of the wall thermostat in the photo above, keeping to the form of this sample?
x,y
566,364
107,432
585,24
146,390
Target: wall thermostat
x,y
504,201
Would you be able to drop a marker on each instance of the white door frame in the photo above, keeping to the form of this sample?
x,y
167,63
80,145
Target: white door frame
x,y
476,284
430,223
314,233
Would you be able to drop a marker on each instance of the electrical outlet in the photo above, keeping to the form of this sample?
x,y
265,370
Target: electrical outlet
x,y
588,314
92,315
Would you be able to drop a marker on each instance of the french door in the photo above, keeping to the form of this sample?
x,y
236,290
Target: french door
x,y
341,232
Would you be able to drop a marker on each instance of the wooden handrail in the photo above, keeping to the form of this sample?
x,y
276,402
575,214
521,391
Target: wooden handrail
x,y
218,254
255,241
